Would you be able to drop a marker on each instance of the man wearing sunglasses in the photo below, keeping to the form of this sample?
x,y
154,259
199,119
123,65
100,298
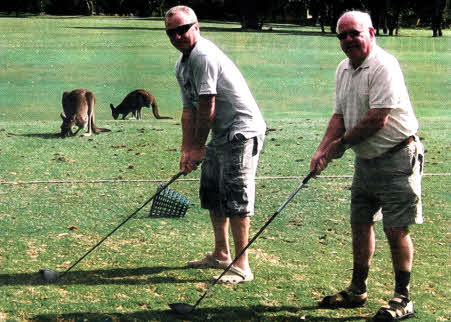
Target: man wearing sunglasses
x,y
217,102
373,116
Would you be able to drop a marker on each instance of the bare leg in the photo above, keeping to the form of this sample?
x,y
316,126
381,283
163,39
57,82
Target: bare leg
x,y
221,232
240,231
401,247
363,246
402,250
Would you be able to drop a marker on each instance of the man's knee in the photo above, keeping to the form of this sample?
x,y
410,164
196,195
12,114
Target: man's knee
x,y
361,229
394,233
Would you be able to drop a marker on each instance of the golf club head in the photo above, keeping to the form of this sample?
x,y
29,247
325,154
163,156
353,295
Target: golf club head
x,y
48,275
181,308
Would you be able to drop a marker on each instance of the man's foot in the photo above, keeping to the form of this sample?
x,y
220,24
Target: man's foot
x,y
398,308
235,275
345,298
208,262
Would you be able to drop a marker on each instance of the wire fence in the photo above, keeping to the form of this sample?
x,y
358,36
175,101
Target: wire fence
x,y
48,182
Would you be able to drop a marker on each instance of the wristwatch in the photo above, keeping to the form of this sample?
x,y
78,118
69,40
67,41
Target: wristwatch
x,y
343,142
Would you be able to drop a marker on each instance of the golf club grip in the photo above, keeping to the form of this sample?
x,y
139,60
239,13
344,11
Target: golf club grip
x,y
304,181
308,177
123,222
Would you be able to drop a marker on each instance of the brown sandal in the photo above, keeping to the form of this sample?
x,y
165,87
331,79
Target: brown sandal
x,y
399,308
345,298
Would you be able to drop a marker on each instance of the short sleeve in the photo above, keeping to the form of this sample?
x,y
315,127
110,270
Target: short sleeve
x,y
386,86
206,70
337,106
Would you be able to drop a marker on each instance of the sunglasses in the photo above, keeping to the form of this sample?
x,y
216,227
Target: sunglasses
x,y
180,30
353,33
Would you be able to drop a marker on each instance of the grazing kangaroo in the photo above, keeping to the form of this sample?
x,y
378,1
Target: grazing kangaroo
x,y
78,107
134,102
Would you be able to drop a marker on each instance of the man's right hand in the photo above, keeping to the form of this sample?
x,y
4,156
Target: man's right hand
x,y
330,146
318,163
190,160
184,162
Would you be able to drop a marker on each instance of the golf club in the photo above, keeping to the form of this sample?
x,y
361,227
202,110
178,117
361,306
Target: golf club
x,y
51,276
184,308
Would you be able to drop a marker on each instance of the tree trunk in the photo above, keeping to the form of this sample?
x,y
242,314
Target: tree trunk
x,y
249,15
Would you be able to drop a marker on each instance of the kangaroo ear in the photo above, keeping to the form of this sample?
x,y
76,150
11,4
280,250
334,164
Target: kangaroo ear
x,y
63,116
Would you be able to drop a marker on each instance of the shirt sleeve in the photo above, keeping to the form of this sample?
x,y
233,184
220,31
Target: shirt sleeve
x,y
337,107
206,71
386,86
186,101
184,88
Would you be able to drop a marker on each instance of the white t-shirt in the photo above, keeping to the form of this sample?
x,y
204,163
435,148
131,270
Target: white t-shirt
x,y
377,83
207,70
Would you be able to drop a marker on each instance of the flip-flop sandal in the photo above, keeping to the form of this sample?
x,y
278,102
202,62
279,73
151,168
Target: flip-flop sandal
x,y
235,275
399,308
208,262
345,299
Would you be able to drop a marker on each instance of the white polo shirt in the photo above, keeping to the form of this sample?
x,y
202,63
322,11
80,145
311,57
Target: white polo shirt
x,y
207,70
377,83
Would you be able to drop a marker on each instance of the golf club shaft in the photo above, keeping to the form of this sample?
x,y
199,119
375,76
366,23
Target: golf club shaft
x,y
122,223
304,181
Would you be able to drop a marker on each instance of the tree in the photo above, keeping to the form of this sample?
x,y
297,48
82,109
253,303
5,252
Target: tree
x,y
250,13
438,12
431,12
69,7
22,6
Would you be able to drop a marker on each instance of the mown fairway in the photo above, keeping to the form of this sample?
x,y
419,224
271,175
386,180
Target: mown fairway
x,y
59,197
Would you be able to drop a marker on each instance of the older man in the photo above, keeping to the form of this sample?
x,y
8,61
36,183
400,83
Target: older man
x,y
373,116
217,99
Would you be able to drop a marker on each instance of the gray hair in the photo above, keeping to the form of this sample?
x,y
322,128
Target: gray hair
x,y
184,9
361,17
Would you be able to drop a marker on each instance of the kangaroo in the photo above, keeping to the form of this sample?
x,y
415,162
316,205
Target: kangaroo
x,y
134,102
78,107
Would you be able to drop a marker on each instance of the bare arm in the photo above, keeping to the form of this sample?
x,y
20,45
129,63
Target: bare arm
x,y
196,126
204,120
372,123
331,146
188,121
335,130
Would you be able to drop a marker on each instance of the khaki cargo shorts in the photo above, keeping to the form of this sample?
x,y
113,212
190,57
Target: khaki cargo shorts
x,y
228,176
389,188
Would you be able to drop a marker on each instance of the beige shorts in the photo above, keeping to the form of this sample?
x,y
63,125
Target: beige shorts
x,y
228,177
389,188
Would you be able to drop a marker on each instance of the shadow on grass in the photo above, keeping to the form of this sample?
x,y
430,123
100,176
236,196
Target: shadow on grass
x,y
41,135
225,313
130,276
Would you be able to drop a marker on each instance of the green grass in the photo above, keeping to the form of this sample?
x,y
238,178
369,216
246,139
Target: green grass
x,y
303,255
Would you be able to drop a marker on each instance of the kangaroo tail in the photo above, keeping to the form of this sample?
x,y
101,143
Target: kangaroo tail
x,y
91,103
155,111
96,129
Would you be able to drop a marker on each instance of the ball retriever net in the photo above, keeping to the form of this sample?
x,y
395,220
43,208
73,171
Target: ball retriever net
x,y
169,204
